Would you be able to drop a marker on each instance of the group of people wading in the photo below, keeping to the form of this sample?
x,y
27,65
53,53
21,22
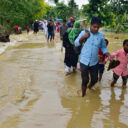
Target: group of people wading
x,y
89,48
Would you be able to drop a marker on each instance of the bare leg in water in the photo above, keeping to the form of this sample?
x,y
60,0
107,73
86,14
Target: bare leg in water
x,y
84,88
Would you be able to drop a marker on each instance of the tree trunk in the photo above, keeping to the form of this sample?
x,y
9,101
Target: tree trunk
x,y
118,28
4,38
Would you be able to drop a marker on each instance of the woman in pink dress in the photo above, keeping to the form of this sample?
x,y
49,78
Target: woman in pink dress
x,y
57,27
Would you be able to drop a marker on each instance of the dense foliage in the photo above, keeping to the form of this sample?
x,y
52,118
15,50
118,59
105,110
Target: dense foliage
x,y
20,12
120,9
63,11
73,9
114,13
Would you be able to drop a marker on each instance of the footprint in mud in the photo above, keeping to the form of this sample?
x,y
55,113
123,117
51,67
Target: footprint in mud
x,y
71,92
79,93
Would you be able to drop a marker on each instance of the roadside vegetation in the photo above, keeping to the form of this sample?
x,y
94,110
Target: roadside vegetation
x,y
114,13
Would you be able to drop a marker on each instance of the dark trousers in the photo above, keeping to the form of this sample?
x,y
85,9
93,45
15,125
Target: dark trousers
x,y
116,77
86,70
50,36
101,68
71,58
53,35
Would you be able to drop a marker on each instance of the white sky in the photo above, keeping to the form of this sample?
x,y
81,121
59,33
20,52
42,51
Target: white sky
x,y
79,2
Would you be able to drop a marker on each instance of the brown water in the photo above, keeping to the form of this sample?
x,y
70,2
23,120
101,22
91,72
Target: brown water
x,y
35,93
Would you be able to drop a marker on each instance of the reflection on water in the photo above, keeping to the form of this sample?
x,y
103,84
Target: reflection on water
x,y
31,74
109,112
31,45
103,107
35,93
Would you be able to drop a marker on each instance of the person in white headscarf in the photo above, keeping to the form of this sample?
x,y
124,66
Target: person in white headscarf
x,y
45,23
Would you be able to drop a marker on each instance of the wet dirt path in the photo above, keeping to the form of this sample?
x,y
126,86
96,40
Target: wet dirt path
x,y
31,76
35,93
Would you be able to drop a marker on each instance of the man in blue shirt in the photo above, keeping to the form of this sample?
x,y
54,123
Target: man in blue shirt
x,y
89,53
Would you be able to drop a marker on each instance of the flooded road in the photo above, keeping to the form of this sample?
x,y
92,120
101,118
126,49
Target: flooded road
x,y
35,93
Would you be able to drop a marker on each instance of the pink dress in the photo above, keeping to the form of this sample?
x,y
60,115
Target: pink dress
x,y
57,28
122,56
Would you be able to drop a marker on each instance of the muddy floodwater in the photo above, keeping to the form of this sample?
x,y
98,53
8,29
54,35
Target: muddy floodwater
x,y
35,93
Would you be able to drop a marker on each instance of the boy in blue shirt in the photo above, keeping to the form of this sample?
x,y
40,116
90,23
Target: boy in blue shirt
x,y
89,53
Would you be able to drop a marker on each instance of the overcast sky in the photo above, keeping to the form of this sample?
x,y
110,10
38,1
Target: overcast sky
x,y
79,2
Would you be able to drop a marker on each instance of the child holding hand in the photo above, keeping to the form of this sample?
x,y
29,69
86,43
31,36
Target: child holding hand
x,y
122,68
101,58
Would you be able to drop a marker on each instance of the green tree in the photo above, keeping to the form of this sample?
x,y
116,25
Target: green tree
x,y
50,14
73,9
61,11
120,9
21,12
119,6
99,8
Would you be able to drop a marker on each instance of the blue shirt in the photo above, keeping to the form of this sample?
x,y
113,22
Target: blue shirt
x,y
89,52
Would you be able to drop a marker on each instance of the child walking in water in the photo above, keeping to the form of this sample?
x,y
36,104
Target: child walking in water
x,y
101,58
27,28
122,69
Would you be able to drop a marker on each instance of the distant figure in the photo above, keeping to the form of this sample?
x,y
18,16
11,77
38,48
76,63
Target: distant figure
x,y
58,27
36,27
122,69
72,23
69,24
17,29
50,30
8,21
63,29
45,23
54,30
28,29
